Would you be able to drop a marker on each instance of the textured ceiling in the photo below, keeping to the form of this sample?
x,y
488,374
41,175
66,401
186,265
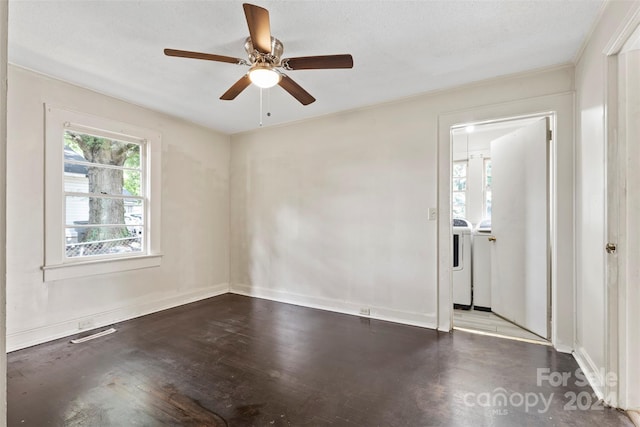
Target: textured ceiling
x,y
400,48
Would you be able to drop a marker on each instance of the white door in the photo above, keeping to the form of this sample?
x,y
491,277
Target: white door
x,y
622,345
519,279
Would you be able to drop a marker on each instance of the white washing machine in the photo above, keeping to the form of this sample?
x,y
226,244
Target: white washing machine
x,y
462,296
482,266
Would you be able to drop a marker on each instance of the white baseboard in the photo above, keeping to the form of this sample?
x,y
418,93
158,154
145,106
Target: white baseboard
x,y
338,306
29,337
590,370
563,348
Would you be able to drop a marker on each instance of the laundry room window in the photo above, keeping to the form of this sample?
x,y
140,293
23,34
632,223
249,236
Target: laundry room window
x,y
459,190
487,188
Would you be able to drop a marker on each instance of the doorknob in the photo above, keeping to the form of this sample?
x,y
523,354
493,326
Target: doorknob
x,y
611,248
491,238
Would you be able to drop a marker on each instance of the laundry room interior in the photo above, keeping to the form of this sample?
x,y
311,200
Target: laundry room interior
x,y
501,253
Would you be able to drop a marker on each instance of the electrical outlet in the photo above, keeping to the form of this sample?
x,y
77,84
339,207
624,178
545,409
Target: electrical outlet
x,y
433,214
85,324
365,312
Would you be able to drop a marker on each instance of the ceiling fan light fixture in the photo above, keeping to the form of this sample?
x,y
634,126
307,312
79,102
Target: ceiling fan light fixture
x,y
265,59
264,76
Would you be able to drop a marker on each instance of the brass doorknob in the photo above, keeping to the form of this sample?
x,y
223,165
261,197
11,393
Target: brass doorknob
x,y
492,238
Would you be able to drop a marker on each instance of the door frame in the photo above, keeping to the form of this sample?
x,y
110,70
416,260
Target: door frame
x,y
561,225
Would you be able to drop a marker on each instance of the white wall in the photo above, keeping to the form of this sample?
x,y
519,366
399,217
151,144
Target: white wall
x,y
332,212
591,221
195,219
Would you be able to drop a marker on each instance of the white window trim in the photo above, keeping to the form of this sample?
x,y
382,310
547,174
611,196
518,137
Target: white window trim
x,y
56,266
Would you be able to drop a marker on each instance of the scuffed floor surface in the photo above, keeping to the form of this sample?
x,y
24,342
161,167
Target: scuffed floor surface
x,y
238,361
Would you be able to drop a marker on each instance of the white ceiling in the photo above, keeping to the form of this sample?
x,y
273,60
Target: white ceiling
x,y
400,48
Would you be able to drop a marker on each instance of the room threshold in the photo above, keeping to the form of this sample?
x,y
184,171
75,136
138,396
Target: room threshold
x,y
497,335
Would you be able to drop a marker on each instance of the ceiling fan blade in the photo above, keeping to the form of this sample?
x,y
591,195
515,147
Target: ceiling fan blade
x,y
318,62
200,55
237,87
259,27
296,90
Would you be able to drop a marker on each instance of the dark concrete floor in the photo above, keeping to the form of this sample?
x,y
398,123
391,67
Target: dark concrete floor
x,y
238,361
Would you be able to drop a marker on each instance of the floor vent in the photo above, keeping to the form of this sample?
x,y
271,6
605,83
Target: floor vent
x,y
94,336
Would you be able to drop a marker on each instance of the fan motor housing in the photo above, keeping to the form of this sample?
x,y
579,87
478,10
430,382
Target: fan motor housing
x,y
272,58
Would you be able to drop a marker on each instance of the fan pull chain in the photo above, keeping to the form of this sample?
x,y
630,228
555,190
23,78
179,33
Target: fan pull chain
x,y
269,103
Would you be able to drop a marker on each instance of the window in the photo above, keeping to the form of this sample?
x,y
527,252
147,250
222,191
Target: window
x,y
459,190
102,196
487,188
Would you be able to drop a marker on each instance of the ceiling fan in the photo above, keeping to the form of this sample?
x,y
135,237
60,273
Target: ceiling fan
x,y
265,59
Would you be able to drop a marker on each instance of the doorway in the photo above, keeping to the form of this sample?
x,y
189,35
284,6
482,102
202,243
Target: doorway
x,y
500,205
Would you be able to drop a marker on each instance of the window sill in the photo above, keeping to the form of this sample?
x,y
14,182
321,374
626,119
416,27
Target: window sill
x,y
94,267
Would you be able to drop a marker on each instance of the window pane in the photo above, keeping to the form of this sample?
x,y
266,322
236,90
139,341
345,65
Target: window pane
x,y
133,207
487,188
459,184
105,180
99,180
458,205
459,198
75,178
458,211
93,210
133,157
99,150
132,182
92,241
77,212
460,169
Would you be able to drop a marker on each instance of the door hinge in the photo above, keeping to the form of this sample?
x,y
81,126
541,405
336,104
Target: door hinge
x,y
549,134
611,248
